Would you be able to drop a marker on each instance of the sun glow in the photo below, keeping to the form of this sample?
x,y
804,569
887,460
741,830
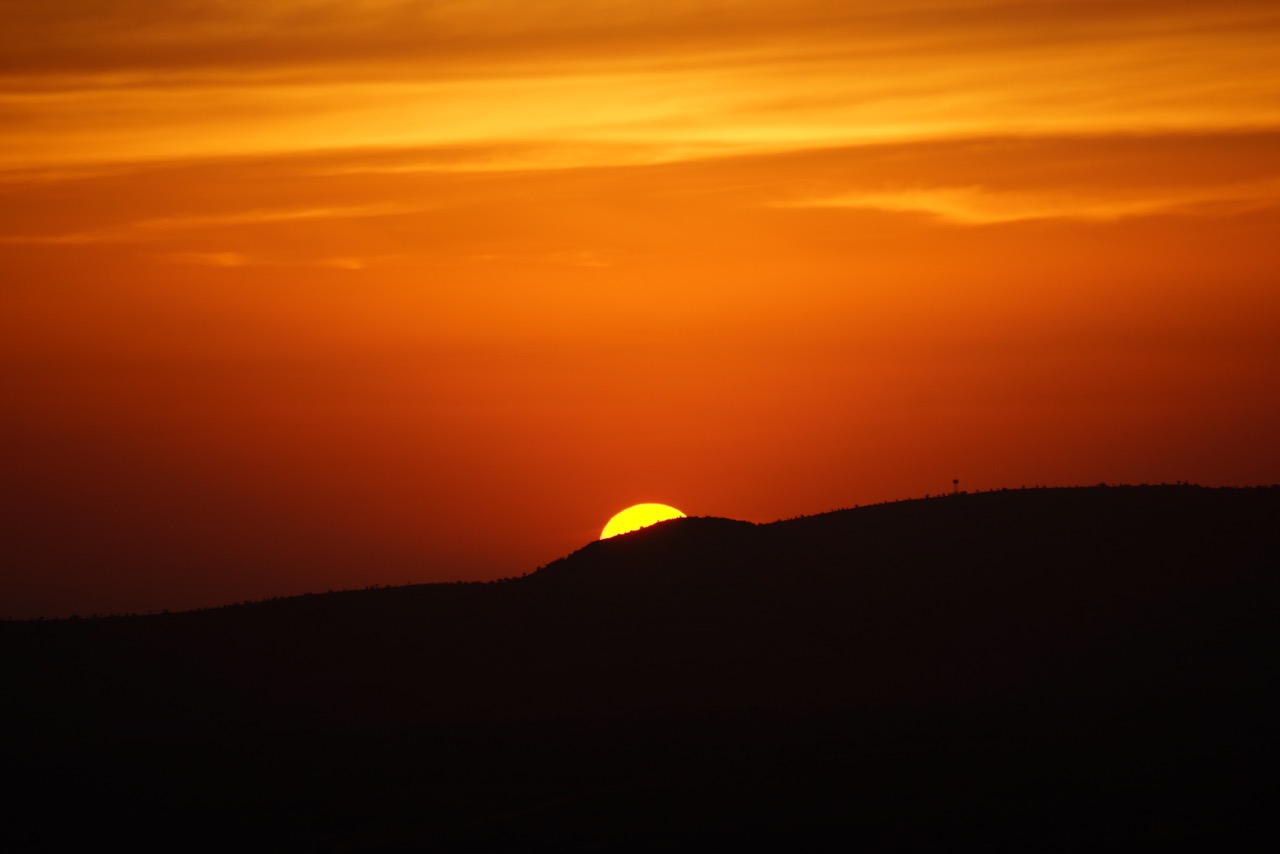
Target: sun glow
x,y
639,516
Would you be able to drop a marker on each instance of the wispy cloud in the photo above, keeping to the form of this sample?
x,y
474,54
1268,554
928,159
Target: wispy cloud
x,y
978,205
131,81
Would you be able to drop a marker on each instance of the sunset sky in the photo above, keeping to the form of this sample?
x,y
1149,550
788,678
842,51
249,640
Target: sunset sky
x,y
299,295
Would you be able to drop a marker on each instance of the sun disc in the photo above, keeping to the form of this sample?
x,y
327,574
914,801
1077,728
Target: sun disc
x,y
639,516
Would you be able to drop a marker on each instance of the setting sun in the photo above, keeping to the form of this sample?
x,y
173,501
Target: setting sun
x,y
357,279
639,516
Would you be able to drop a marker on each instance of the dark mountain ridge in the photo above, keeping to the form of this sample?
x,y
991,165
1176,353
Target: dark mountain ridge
x,y
814,658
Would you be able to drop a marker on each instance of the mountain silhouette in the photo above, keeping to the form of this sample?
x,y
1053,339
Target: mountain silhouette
x,y
1025,670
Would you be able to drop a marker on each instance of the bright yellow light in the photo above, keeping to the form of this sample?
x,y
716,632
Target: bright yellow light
x,y
639,516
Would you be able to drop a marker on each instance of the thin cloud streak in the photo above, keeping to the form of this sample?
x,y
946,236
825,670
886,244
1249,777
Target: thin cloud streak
x,y
239,259
977,205
144,230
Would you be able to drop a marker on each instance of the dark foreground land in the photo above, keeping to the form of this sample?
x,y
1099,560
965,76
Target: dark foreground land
x,y
1042,670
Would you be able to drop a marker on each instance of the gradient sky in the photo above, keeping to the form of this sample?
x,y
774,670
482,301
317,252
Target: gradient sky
x,y
300,295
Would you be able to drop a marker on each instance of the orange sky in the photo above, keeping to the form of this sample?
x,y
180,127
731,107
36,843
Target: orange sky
x,y
311,295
